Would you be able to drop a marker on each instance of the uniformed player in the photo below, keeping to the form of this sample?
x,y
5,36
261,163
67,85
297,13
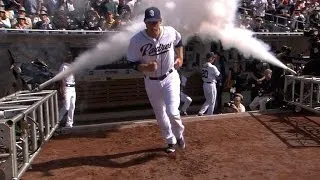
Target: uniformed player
x,y
210,74
68,92
152,52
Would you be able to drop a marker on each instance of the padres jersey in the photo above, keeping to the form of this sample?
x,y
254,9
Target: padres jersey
x,y
209,73
144,49
70,79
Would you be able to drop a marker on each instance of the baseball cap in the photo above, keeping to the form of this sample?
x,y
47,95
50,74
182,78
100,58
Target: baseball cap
x,y
210,55
152,14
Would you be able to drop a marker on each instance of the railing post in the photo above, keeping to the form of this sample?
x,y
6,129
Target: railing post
x,y
301,90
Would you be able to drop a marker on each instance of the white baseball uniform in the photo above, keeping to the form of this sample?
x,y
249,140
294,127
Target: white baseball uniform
x,y
69,97
209,77
162,85
184,97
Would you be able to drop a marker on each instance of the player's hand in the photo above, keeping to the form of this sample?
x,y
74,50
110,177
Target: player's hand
x,y
152,66
178,63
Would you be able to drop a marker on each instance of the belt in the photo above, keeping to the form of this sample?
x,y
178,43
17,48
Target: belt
x,y
161,77
208,82
70,85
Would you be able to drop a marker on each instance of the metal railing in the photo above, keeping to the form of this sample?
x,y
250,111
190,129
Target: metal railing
x,y
280,21
89,32
303,92
27,121
56,32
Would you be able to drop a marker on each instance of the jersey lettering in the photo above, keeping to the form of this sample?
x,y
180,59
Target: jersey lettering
x,y
150,50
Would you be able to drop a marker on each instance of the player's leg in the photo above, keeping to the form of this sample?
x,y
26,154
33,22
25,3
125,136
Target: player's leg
x,y
212,98
255,103
206,92
65,106
186,102
154,92
72,108
171,89
263,101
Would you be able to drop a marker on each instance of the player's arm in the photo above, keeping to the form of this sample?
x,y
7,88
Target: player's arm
x,y
178,48
215,71
62,82
179,56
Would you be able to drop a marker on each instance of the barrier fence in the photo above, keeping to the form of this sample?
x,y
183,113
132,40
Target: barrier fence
x,y
303,92
27,121
280,21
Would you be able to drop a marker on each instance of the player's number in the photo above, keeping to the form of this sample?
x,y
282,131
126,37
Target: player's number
x,y
204,73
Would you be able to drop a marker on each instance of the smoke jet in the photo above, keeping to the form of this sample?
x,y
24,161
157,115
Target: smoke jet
x,y
209,19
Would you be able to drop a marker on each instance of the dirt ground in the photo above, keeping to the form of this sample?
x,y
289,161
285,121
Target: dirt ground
x,y
257,147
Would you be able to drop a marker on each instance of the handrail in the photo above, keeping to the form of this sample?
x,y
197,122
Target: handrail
x,y
277,17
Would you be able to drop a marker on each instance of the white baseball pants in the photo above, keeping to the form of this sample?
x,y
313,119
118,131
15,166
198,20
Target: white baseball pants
x,y
186,101
260,101
164,97
69,105
210,93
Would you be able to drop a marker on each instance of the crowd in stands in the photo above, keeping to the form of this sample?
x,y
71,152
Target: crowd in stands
x,y
292,15
67,14
256,15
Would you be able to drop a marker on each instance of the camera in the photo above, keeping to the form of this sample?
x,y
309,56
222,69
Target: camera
x,y
229,104
260,92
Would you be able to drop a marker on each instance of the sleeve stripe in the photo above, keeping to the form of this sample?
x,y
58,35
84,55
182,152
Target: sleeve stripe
x,y
179,44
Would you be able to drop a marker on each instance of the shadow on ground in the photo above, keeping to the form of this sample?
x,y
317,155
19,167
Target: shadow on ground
x,y
295,131
111,161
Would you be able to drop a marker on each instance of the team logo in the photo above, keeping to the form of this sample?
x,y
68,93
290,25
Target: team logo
x,y
151,50
151,13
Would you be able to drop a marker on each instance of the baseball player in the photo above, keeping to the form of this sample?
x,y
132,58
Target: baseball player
x,y
152,52
184,97
68,92
210,75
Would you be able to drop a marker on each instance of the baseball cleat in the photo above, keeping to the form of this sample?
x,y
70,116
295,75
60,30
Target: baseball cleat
x,y
169,149
181,143
200,114
183,113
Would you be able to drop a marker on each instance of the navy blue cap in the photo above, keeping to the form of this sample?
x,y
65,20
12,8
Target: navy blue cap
x,y
210,55
152,14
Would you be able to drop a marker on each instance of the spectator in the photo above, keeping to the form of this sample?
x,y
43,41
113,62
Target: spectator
x,y
235,106
92,20
22,23
259,8
4,20
97,5
131,4
117,26
109,22
60,19
266,91
32,6
123,8
68,6
246,23
258,25
22,13
45,22
109,6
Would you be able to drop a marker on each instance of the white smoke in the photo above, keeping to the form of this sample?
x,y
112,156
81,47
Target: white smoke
x,y
209,19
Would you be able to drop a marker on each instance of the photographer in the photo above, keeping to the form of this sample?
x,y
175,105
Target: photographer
x,y
285,54
265,93
314,42
235,106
